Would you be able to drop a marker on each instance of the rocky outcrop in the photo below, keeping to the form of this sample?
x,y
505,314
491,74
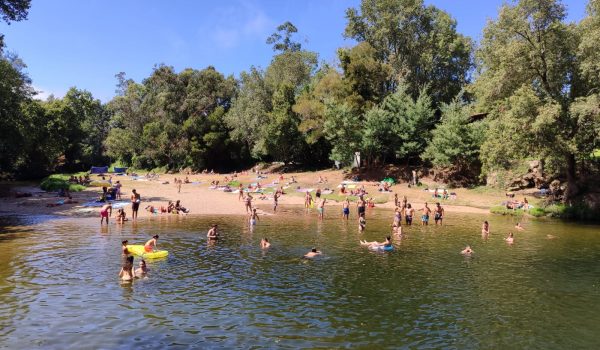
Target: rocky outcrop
x,y
530,175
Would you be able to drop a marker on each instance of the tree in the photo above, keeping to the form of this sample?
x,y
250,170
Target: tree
x,y
420,43
342,131
529,79
13,11
249,112
399,128
282,38
456,141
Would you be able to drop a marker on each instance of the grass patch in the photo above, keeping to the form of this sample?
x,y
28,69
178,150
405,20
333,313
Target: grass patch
x,y
502,210
60,181
537,212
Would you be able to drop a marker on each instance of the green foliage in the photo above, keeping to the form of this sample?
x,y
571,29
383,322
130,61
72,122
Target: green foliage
x,y
502,210
60,181
281,39
340,129
419,42
455,140
537,212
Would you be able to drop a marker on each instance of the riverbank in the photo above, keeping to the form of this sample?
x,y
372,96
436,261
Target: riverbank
x,y
199,198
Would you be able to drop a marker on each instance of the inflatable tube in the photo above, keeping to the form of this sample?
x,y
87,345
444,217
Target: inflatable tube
x,y
388,249
138,249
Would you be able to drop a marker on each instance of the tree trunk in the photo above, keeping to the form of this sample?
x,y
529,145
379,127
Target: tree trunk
x,y
572,187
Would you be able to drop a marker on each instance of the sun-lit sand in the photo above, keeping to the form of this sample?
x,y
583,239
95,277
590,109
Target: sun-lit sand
x,y
200,199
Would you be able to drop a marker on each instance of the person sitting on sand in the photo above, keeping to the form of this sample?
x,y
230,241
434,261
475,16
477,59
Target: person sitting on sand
x,y
467,251
187,180
213,233
313,252
264,243
519,227
150,246
142,270
485,229
126,273
105,212
510,239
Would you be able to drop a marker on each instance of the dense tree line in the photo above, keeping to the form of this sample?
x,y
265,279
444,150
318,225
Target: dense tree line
x,y
405,93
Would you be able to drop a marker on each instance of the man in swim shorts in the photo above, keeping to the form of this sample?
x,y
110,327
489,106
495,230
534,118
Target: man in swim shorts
x,y
213,233
135,203
360,205
425,217
105,212
346,209
321,208
151,244
408,214
438,213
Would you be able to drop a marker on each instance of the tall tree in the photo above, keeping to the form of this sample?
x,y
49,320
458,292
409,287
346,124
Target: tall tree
x,y
419,42
529,80
13,11
282,38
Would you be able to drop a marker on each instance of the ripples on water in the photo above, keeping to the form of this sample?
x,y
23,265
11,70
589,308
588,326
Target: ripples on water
x,y
60,288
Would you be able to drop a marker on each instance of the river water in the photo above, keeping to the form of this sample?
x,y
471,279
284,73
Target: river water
x,y
59,287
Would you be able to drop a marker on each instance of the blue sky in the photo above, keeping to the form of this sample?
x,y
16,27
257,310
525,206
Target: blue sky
x,y
85,43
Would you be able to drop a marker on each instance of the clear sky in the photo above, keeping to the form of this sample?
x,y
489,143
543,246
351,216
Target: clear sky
x,y
85,43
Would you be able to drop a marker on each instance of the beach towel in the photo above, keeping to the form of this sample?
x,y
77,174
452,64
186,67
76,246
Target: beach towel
x,y
327,192
119,170
304,190
349,182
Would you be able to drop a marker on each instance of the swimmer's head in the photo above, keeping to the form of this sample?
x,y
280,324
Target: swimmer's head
x,y
314,250
155,236
408,206
124,242
388,238
266,239
142,262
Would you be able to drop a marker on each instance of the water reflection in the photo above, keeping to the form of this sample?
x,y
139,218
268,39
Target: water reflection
x,y
58,281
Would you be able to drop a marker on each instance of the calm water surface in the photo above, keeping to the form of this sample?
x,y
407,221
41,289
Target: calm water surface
x,y
59,287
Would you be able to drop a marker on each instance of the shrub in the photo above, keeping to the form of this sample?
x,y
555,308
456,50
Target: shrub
x,y
59,181
502,210
537,212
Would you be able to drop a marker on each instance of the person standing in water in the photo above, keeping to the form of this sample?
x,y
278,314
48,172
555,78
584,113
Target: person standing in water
x,y
346,209
425,217
438,213
213,233
307,200
360,205
397,217
321,208
510,239
275,201
135,203
105,212
362,222
142,270
253,217
485,229
408,215
150,246
126,273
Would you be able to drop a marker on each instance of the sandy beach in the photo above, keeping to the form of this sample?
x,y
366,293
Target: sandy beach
x,y
199,198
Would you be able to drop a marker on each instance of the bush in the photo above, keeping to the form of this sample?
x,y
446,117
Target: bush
x,y
60,181
537,212
502,210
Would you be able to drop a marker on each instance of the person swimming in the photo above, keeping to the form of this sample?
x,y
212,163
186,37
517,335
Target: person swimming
x,y
519,227
142,270
264,243
467,251
510,239
313,252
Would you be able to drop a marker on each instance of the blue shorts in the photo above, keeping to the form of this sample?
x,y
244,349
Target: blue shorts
x,y
346,211
425,218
